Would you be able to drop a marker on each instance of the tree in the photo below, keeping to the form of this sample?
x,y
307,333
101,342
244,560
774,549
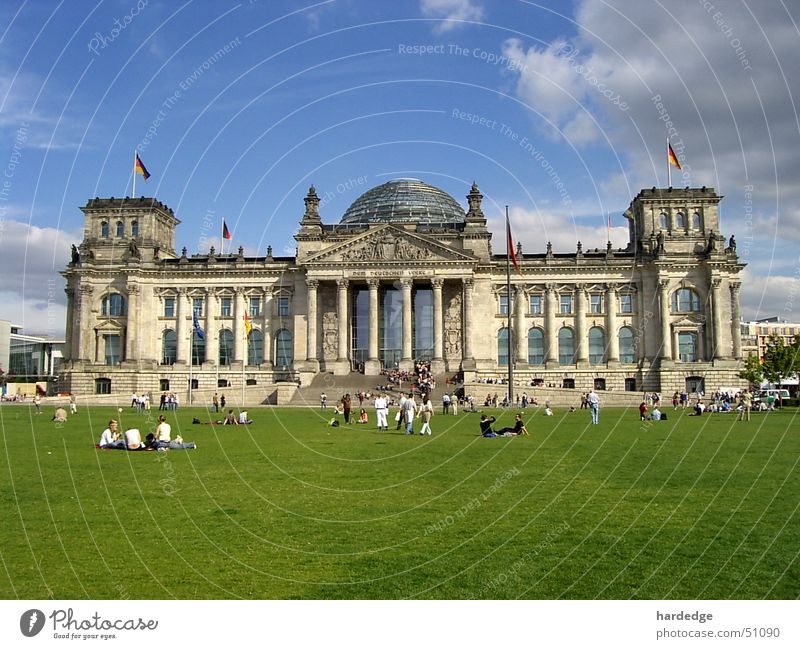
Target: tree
x,y
781,361
753,372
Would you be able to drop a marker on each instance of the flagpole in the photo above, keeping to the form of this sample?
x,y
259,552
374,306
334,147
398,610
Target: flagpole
x,y
244,362
191,361
509,243
133,191
669,167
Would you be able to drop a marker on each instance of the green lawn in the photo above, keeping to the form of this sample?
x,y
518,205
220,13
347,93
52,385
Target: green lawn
x,y
289,508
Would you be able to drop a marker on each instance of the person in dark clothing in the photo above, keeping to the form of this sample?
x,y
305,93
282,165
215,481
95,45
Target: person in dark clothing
x,y
346,404
486,426
518,428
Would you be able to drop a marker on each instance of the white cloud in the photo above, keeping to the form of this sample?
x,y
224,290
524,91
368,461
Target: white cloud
x,y
31,289
451,12
765,296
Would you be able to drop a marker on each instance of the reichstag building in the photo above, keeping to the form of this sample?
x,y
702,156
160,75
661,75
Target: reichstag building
x,y
406,274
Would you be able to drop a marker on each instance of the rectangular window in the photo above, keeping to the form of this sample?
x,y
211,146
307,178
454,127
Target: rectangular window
x,y
255,306
197,306
225,306
113,349
565,304
625,303
536,304
283,306
169,307
503,304
596,303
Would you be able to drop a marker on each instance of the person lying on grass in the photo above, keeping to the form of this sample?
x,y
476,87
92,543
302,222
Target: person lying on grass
x,y
517,429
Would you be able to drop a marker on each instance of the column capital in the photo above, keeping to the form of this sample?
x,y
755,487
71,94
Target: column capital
x,y
612,287
550,287
663,284
519,289
406,282
182,290
734,287
132,289
468,282
437,282
716,282
580,288
312,283
86,289
211,291
342,283
373,283
238,290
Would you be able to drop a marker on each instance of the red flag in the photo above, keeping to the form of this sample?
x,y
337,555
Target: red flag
x,y
673,159
226,234
512,253
139,168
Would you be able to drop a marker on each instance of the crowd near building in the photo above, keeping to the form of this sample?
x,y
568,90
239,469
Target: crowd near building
x,y
406,275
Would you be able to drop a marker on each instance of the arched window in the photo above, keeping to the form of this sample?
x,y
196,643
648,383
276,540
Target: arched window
x,y
104,229
697,222
680,221
687,346
502,346
225,347
685,300
566,346
597,345
169,347
134,228
113,304
535,346
120,229
198,349
663,221
255,348
283,348
627,350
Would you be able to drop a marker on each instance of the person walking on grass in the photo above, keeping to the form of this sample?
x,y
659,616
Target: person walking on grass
x,y
594,406
425,413
382,411
747,403
409,408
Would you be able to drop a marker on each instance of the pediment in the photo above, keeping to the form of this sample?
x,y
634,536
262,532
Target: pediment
x,y
689,321
389,244
110,326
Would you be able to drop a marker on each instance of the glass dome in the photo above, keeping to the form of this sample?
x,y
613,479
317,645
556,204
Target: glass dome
x,y
405,200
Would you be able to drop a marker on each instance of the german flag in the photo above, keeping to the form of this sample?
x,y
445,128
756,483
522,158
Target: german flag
x,y
226,233
247,326
512,253
673,159
139,168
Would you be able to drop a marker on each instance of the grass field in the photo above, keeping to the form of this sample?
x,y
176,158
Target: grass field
x,y
289,508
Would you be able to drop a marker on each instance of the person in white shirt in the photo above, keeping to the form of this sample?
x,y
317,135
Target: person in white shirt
x,y
133,440
401,412
244,419
656,414
409,408
382,411
425,413
445,403
110,437
594,406
163,430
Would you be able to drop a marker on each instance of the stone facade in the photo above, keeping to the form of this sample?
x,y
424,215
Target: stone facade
x,y
661,314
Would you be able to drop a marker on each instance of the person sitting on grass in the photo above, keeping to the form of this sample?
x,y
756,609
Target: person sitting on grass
x,y
643,411
60,416
699,409
518,428
548,412
486,426
230,419
163,437
362,417
244,419
110,438
133,440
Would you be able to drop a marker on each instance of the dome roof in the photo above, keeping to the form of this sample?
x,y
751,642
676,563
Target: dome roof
x,y
405,200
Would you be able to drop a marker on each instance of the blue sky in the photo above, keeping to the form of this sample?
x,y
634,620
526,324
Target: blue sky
x,y
557,109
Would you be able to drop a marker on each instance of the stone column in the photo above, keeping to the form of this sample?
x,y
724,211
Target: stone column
x,y
311,335
373,364
718,351
581,348
550,333
736,316
467,355
407,324
611,325
438,323
666,333
182,348
86,329
343,320
133,315
239,334
266,325
70,316
211,328
521,334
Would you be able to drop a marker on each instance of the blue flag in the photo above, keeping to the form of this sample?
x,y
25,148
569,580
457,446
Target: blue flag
x,y
197,329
